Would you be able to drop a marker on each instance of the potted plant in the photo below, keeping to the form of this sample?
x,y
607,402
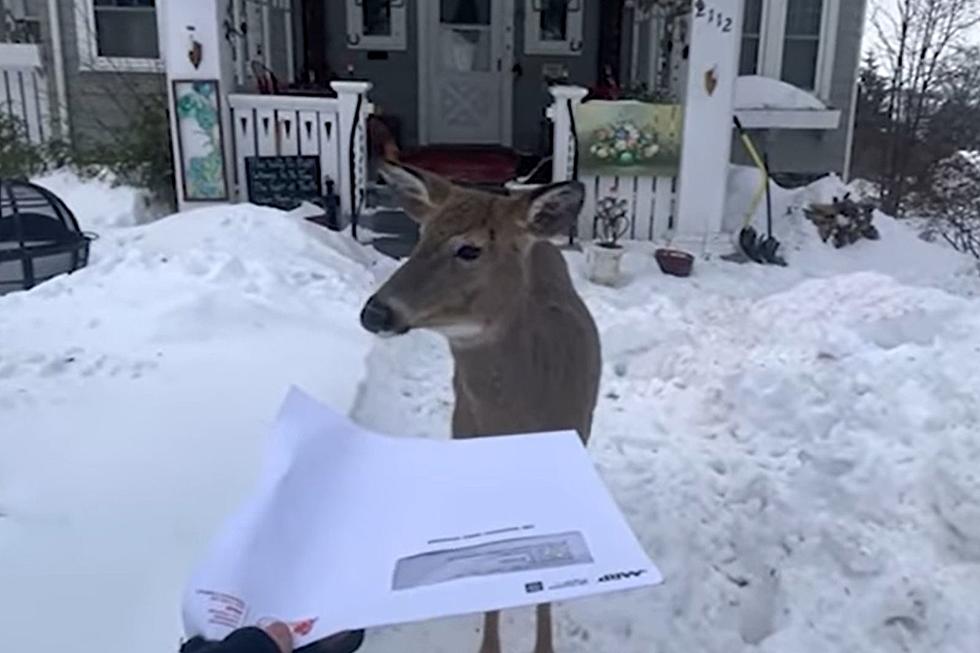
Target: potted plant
x,y
605,257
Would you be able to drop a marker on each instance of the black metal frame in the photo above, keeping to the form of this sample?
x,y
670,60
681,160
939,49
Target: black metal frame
x,y
70,240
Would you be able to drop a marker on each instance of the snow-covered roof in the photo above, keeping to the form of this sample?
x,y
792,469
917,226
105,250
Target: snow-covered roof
x,y
764,102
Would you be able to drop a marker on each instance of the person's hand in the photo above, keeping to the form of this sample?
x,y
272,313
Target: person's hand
x,y
281,635
273,637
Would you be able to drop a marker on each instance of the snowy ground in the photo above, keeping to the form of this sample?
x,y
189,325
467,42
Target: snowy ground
x,y
797,448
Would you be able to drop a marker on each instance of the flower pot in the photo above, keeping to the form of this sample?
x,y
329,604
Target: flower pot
x,y
674,262
604,261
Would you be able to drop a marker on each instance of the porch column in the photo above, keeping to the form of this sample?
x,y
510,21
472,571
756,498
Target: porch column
x,y
709,105
352,115
563,141
183,23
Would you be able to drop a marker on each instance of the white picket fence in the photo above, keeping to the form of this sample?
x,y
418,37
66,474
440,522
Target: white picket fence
x,y
651,201
24,89
288,125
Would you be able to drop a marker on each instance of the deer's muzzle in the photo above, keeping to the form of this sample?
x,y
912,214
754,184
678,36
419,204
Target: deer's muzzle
x,y
378,317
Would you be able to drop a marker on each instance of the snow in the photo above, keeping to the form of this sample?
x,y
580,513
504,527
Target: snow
x,y
796,447
134,399
758,92
99,203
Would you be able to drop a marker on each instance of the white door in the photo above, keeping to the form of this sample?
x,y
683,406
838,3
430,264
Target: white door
x,y
469,50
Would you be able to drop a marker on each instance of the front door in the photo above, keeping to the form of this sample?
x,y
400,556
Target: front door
x,y
469,51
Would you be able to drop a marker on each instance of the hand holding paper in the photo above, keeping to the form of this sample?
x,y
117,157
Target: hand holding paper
x,y
349,529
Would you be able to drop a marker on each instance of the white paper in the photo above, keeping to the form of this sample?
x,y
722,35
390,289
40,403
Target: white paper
x,y
350,529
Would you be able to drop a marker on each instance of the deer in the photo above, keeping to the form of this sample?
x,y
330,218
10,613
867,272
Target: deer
x,y
486,276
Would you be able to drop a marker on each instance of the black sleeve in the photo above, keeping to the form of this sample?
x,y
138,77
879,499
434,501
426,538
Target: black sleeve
x,y
244,640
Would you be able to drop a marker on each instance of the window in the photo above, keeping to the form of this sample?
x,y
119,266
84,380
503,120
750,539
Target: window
x,y
20,21
553,27
465,37
118,35
376,24
126,28
751,38
791,40
801,43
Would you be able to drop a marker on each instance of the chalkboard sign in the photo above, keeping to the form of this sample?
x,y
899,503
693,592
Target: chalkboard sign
x,y
284,182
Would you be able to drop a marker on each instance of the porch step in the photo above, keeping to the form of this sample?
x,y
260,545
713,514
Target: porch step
x,y
396,248
390,221
473,164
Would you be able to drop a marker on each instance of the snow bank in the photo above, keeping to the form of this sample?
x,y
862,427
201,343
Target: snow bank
x,y
99,203
797,457
900,252
796,447
134,399
757,92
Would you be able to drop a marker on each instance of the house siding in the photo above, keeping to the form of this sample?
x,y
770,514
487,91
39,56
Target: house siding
x,y
396,79
101,102
809,153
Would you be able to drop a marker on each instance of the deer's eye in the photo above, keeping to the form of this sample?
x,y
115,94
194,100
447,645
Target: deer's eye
x,y
468,252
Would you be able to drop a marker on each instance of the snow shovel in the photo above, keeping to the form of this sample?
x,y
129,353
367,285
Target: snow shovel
x,y
761,250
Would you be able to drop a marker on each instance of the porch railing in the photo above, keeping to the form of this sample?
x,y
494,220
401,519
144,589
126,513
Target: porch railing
x,y
652,201
24,89
333,129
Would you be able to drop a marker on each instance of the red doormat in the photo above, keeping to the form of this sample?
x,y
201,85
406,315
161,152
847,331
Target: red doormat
x,y
474,165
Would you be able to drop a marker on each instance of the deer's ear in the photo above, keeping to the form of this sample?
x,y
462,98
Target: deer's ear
x,y
553,208
419,192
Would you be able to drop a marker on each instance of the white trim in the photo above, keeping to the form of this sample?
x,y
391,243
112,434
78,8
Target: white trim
x,y
88,58
357,40
849,152
288,102
819,119
20,55
828,49
422,60
58,55
572,43
266,36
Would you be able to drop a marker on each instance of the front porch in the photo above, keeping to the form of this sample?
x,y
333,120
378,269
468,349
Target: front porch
x,y
289,102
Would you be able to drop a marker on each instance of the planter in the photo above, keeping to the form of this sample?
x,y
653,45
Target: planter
x,y
674,262
604,262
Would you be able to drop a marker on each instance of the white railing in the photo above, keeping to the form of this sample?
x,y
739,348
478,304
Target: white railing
x,y
652,201
333,129
24,89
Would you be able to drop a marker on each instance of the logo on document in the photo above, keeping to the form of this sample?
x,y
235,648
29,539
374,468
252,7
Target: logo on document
x,y
531,588
622,575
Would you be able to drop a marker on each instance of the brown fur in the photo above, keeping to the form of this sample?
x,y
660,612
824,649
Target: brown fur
x,y
525,348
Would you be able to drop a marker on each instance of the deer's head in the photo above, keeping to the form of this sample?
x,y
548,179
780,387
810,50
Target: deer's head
x,y
469,269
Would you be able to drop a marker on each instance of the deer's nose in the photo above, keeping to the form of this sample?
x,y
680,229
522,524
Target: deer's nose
x,y
377,317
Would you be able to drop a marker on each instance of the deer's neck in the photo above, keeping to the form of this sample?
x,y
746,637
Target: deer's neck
x,y
537,367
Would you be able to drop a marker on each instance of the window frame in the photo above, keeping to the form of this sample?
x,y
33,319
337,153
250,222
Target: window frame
x,y
571,45
356,39
772,39
89,59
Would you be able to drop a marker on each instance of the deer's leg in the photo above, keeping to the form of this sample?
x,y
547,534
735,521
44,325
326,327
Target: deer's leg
x,y
491,633
542,641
